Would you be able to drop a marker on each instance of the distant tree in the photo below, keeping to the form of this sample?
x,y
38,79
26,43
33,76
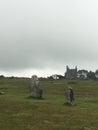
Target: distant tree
x,y
60,76
2,76
96,72
91,75
80,71
50,77
11,77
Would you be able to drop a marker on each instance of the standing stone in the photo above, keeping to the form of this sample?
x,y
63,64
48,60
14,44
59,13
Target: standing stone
x,y
70,95
35,87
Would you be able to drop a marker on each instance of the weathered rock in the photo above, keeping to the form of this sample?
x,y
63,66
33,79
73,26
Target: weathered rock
x,y
70,95
85,128
35,87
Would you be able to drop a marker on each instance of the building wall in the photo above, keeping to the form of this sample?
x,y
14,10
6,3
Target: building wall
x,y
71,73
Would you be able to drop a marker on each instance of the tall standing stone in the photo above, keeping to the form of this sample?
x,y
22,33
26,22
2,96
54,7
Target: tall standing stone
x,y
35,87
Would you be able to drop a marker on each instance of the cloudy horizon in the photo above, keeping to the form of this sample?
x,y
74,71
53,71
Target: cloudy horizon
x,y
42,37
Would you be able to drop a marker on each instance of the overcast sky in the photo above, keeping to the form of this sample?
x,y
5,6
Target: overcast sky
x,y
43,36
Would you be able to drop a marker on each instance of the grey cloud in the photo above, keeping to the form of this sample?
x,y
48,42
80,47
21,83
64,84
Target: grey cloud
x,y
44,34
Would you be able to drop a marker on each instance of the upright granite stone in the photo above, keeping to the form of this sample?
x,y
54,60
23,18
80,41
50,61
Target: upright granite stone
x,y
35,87
70,95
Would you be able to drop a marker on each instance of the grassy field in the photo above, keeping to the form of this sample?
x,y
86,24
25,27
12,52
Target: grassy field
x,y
19,112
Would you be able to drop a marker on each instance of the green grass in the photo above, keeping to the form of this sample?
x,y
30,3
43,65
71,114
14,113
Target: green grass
x,y
19,112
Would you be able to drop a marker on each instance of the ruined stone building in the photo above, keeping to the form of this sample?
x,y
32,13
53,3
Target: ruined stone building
x,y
71,73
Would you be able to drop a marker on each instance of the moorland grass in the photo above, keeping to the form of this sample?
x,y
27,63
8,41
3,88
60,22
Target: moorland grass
x,y
18,111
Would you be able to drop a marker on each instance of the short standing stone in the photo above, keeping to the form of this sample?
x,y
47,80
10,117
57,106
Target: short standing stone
x,y
70,95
